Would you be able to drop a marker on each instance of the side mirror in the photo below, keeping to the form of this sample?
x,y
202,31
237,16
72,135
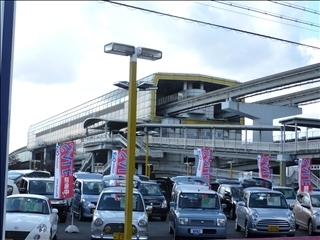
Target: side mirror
x,y
23,190
227,194
54,210
224,206
291,206
77,190
172,204
241,204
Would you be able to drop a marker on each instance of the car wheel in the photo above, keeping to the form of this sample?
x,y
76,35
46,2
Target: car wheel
x,y
247,234
237,228
63,219
310,227
163,218
232,214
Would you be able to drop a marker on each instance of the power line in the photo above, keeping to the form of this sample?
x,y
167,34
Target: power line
x,y
267,13
228,10
212,25
296,7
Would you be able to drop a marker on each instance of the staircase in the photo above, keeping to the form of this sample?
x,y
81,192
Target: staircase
x,y
86,163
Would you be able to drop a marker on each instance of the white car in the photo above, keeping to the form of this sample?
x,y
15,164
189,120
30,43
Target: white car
x,y
108,218
30,217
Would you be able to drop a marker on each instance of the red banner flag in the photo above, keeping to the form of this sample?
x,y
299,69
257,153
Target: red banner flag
x,y
304,172
264,166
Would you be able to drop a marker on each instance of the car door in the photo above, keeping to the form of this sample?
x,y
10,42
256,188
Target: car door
x,y
242,211
297,210
305,209
221,192
77,196
227,199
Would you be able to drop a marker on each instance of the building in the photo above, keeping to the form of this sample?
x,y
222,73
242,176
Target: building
x,y
171,87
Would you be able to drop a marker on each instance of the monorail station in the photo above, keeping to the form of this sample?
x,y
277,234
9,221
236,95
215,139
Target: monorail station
x,y
178,113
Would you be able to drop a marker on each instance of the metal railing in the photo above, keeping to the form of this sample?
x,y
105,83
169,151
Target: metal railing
x,y
152,153
315,180
234,145
86,163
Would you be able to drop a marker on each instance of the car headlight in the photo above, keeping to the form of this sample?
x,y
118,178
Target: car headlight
x,y
291,218
98,222
221,222
183,221
164,204
85,202
142,223
316,214
254,216
42,228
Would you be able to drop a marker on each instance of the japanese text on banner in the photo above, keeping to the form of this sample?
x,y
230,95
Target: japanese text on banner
x,y
304,178
204,163
263,161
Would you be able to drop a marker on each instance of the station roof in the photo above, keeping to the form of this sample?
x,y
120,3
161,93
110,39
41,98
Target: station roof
x,y
301,122
111,124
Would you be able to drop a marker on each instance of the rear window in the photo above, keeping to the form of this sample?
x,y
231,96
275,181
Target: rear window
x,y
9,190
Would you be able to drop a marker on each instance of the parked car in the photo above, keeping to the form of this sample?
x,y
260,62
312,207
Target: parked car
x,y
86,194
113,180
29,216
87,175
288,192
307,211
143,177
109,216
189,180
153,196
263,211
196,212
11,188
229,194
16,175
45,187
215,185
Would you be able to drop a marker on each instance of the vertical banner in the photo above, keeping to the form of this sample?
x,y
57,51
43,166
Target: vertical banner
x,y
263,161
118,162
204,163
63,171
304,172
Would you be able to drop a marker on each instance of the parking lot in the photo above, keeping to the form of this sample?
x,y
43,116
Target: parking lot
x,y
158,230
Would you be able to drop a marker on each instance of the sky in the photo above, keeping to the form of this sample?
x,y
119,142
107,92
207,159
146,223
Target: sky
x,y
59,60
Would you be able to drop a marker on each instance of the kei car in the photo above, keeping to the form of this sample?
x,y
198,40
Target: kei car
x,y
196,212
109,216
307,211
288,193
30,216
263,211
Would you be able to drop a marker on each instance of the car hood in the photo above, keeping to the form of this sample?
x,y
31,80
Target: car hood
x,y
23,221
200,213
274,212
117,215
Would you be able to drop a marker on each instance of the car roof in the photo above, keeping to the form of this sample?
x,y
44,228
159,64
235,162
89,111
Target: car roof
x,y
119,177
117,189
282,187
29,195
39,178
258,189
149,182
89,180
207,191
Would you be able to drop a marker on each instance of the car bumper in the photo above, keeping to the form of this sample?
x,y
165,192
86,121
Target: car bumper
x,y
207,232
99,234
316,224
264,231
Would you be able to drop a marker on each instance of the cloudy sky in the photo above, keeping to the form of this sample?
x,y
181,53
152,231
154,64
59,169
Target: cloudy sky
x,y
59,61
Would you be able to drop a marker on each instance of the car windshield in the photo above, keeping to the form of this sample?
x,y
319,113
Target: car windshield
x,y
236,192
267,200
191,181
199,200
41,187
150,189
116,202
288,193
92,188
27,205
315,200
14,175
118,182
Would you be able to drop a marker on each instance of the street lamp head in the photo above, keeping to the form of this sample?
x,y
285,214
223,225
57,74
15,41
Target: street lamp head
x,y
148,54
119,49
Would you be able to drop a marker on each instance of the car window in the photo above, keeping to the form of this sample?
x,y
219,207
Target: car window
x,y
287,192
267,200
27,205
150,189
9,190
236,192
92,188
116,202
305,200
315,201
41,187
221,190
199,200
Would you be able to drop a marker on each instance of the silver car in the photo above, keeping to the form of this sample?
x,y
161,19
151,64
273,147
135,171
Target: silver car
x,y
109,216
264,211
288,193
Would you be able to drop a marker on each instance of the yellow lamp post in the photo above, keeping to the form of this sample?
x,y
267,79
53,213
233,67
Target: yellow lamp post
x,y
134,53
231,168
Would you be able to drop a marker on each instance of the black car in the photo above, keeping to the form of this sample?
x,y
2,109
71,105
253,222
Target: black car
x,y
153,196
45,187
229,194
215,185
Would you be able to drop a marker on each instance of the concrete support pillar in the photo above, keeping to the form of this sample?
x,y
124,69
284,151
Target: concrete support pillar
x,y
109,155
295,137
185,85
202,86
140,168
93,162
283,172
45,156
307,138
189,85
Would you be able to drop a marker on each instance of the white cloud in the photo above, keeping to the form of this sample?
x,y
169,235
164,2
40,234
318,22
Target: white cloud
x,y
59,61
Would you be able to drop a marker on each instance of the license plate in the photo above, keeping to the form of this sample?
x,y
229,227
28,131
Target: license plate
x,y
196,231
118,236
273,228
92,210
